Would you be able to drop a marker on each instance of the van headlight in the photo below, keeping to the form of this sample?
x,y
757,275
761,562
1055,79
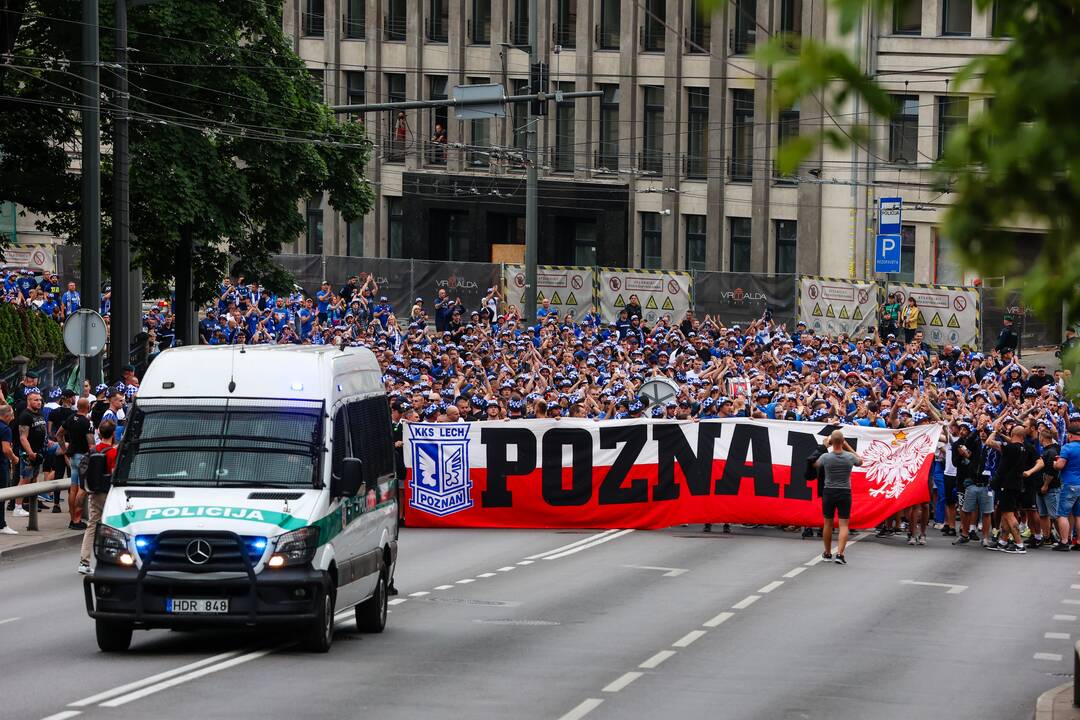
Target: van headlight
x,y
111,546
295,548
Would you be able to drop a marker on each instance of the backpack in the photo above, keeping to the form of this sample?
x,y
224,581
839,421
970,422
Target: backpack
x,y
97,477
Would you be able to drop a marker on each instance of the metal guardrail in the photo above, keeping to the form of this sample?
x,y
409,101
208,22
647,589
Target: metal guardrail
x,y
1076,675
32,490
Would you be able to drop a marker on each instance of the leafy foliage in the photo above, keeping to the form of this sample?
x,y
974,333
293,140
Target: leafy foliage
x,y
26,331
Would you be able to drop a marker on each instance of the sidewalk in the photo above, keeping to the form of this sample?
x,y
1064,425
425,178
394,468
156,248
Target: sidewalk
x,y
1056,704
52,534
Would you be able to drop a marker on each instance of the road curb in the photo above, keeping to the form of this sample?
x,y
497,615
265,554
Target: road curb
x,y
1044,706
40,548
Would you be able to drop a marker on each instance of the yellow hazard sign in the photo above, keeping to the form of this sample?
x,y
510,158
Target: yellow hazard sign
x,y
539,296
570,299
817,310
843,312
650,304
936,320
619,302
555,299
829,312
667,304
920,320
953,322
857,315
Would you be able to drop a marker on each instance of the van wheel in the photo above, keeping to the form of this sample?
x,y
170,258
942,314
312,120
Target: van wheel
x,y
371,614
320,634
113,636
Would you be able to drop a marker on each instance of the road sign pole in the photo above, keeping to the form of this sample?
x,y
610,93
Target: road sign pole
x,y
531,176
91,168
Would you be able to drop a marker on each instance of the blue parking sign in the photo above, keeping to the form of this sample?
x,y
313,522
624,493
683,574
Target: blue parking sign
x,y
887,254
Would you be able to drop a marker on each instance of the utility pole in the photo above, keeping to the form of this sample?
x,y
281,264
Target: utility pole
x,y
531,170
120,307
91,172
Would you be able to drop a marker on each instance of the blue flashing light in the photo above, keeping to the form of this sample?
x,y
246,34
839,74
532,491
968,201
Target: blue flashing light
x,y
142,542
297,386
259,543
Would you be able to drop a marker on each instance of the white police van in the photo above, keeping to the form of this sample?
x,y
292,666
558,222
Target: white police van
x,y
253,486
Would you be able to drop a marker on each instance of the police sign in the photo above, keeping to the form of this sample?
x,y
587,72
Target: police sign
x,y
889,210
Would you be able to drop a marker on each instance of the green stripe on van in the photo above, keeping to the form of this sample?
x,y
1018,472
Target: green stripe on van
x,y
217,512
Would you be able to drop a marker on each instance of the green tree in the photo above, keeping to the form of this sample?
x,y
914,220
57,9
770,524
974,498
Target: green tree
x,y
1017,161
229,134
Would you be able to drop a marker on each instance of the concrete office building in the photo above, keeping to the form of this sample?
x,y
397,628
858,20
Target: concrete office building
x,y
673,166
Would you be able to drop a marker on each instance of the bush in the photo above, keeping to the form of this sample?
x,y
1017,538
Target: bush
x,y
26,331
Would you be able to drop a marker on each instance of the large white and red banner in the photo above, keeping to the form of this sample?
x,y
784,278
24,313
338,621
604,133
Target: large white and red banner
x,y
649,473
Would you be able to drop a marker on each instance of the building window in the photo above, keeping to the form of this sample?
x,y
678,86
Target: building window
x,y
700,27
479,154
519,29
952,113
791,17
438,22
697,132
398,141
742,135
607,156
907,17
436,151
744,32
907,256
480,24
956,17
787,129
394,229
585,243
652,150
997,25
740,244
651,240
355,239
354,22
695,242
394,22
566,23
652,38
564,131
904,130
355,91
312,18
315,226
519,117
785,246
610,19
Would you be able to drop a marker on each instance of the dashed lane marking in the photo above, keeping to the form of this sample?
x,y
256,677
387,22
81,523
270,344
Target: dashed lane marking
x,y
64,715
1065,618
5,621
526,562
443,587
1070,601
771,586
795,572
716,621
396,601
746,602
656,659
508,568
465,581
419,593
688,638
622,681
1053,657
583,709
1074,586
1056,636
486,575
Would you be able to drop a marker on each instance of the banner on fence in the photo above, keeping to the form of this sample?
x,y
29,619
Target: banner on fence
x,y
30,256
834,306
392,277
744,297
947,313
659,292
568,287
466,281
649,474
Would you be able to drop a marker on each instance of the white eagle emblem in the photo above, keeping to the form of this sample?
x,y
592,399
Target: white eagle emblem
x,y
441,485
891,468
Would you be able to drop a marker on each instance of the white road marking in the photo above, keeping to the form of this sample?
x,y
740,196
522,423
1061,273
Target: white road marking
x,y
722,617
1056,636
172,682
396,601
93,699
5,621
64,715
815,561
593,544
794,572
443,587
465,581
508,568
1054,657
582,541
771,586
656,659
746,602
953,589
1066,618
583,709
1069,601
688,638
621,682
668,572
1074,586
419,593
486,575
526,562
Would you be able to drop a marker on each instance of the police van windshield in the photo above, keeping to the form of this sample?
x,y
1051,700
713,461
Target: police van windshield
x,y
248,446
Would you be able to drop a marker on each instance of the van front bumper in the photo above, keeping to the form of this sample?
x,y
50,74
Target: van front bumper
x,y
125,594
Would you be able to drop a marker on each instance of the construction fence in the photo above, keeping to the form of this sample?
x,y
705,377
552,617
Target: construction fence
x,y
949,314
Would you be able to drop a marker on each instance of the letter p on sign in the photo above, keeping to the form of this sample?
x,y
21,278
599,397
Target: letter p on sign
x,y
887,254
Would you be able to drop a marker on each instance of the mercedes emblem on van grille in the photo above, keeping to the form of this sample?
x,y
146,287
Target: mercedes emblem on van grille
x,y
199,551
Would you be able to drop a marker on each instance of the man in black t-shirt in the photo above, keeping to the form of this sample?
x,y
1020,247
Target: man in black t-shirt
x,y
1047,484
1016,459
31,428
75,436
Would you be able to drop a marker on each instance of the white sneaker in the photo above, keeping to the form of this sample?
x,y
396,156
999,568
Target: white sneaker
x,y
83,569
8,531
19,512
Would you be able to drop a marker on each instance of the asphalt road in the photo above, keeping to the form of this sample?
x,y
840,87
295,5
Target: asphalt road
x,y
624,625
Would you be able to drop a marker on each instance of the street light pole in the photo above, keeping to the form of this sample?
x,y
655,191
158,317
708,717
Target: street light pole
x,y
531,170
91,171
120,306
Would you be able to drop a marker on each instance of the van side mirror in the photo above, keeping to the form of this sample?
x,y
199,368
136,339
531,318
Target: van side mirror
x,y
351,480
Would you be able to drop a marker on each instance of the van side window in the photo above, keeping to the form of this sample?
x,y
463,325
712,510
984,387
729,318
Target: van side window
x,y
371,433
339,451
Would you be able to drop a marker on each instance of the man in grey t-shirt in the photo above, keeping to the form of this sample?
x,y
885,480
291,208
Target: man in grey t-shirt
x,y
836,500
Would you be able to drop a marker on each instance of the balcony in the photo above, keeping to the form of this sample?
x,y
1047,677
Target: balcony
x,y
651,161
394,150
695,166
394,29
561,159
606,159
353,28
564,35
436,153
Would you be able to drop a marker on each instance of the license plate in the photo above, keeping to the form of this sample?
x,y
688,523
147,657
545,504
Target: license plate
x,y
196,606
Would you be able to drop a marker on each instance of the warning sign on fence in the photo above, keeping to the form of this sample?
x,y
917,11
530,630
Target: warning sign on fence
x,y
568,287
30,256
947,313
834,306
659,293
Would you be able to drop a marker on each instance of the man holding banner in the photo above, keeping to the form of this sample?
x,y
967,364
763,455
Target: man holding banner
x,y
836,500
